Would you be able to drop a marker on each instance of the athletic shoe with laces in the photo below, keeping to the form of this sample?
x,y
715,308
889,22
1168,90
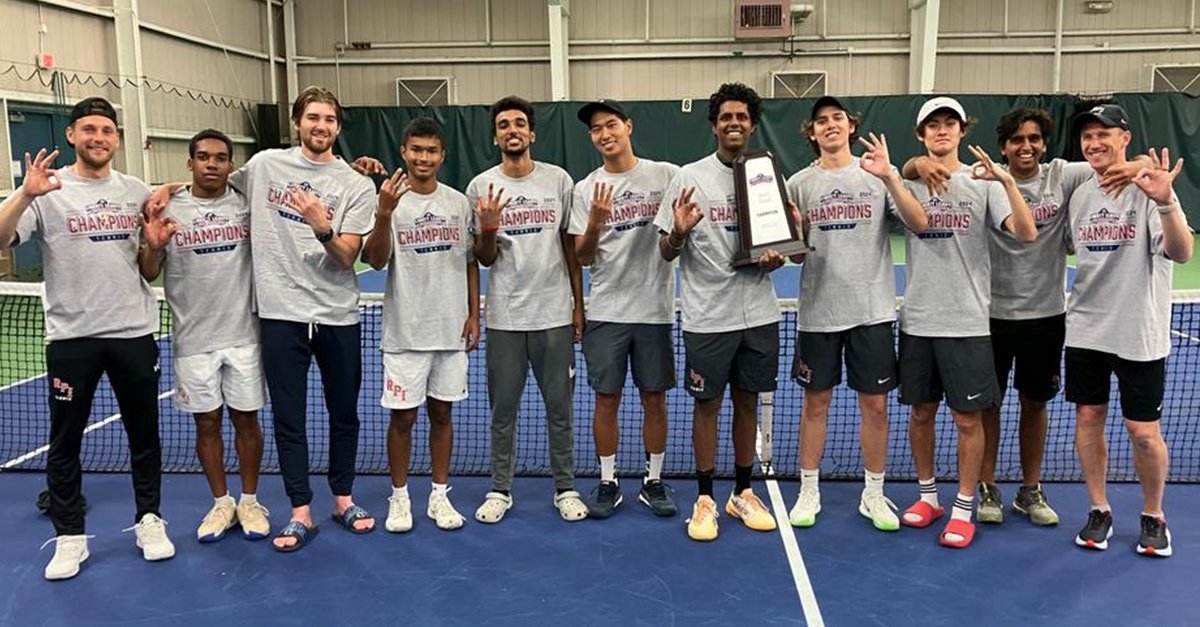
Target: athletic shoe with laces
x,y
750,510
808,505
399,518
255,520
1096,532
221,518
991,505
69,553
880,510
1155,540
607,497
702,526
442,511
151,534
656,495
1031,501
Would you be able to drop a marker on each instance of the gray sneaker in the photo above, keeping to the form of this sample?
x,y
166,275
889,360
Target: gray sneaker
x,y
1031,501
991,505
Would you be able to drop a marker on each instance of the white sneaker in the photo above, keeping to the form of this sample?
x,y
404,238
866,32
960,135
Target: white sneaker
x,y
880,509
443,512
217,521
151,533
570,506
255,520
69,553
808,505
495,506
399,518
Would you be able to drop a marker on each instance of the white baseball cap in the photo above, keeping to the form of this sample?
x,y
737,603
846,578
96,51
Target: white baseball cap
x,y
936,104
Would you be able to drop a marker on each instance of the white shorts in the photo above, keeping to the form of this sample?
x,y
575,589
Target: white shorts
x,y
228,376
410,376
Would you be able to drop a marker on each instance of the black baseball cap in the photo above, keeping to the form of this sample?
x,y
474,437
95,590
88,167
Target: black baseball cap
x,y
93,106
826,101
1110,115
611,106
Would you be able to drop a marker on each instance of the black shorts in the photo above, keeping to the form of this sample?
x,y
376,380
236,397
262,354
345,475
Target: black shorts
x,y
1036,346
870,354
960,368
749,358
1141,383
610,347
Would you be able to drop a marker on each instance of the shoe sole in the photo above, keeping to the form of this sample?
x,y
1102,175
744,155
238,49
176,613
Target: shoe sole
x,y
989,517
396,529
1041,522
874,523
1150,551
663,513
703,538
83,558
1092,544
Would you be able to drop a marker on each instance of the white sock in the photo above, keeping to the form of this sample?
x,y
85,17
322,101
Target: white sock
x,y
928,491
873,482
401,492
439,488
608,468
1103,508
248,499
224,500
810,479
654,466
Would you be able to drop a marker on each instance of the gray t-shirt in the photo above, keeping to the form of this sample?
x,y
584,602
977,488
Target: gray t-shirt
x,y
90,232
948,286
1028,280
715,296
1121,302
848,279
294,278
425,302
630,281
528,287
208,275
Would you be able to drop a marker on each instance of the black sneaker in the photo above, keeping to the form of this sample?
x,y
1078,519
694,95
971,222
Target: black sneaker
x,y
1156,539
656,495
607,498
1096,532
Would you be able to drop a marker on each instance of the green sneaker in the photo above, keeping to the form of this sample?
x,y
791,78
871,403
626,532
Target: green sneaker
x,y
880,510
991,505
1031,501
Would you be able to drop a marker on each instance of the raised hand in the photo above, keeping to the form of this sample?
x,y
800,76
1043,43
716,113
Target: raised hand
x,y
1155,180
602,205
158,230
489,208
310,208
40,176
367,166
875,160
985,169
687,212
392,190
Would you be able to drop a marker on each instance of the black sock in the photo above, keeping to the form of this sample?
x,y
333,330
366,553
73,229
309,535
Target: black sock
x,y
741,476
504,492
558,491
705,479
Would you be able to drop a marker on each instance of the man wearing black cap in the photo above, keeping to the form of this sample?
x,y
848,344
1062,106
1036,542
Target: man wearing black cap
x,y
848,303
632,304
1119,318
100,319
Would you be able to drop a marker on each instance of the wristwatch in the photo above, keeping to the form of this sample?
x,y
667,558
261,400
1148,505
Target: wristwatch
x,y
325,237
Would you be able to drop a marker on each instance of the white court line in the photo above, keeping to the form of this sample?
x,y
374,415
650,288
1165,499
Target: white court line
x,y
808,599
15,384
17,461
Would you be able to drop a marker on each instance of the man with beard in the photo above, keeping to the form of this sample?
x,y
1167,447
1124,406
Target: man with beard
x,y
632,304
100,319
422,235
730,315
203,240
534,304
847,298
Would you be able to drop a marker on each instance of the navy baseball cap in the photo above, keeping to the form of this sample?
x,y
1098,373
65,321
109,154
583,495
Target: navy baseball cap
x,y
93,106
826,101
1110,115
611,106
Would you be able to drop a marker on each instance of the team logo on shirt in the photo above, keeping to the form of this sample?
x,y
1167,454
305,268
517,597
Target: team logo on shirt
x,y
633,210
525,215
1104,230
841,211
213,233
724,215
428,234
1042,211
105,221
946,219
279,195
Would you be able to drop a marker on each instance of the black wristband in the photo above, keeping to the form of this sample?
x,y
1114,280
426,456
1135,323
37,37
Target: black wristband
x,y
325,237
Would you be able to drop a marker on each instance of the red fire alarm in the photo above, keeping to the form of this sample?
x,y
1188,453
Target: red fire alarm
x,y
45,61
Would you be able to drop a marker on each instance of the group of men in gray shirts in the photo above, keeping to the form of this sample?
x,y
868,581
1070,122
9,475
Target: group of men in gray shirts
x,y
259,275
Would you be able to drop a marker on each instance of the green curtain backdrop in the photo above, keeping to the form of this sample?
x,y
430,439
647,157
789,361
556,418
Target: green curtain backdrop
x,y
663,132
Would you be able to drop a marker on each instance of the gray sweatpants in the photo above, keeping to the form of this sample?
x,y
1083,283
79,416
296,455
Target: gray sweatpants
x,y
551,352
